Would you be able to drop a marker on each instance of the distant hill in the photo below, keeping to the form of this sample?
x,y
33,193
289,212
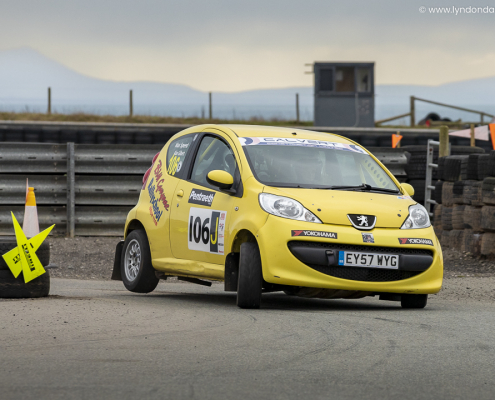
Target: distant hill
x,y
25,75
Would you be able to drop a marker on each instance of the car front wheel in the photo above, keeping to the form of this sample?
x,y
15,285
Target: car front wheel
x,y
250,276
414,300
137,271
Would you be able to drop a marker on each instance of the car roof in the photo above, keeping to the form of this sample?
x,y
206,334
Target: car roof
x,y
276,131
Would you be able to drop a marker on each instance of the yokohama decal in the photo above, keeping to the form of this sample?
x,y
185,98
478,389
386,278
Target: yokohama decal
x,y
327,235
428,242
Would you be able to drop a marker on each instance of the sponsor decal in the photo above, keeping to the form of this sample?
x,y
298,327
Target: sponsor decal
x,y
428,242
206,230
274,141
154,208
361,221
328,235
201,197
153,216
157,194
159,185
175,165
177,159
368,237
404,197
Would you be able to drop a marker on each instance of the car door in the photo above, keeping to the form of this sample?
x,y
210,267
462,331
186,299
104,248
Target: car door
x,y
159,189
201,212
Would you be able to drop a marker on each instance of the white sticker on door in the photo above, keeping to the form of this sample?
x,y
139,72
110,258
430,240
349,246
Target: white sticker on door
x,y
206,230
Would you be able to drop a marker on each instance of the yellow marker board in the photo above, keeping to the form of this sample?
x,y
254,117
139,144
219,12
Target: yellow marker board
x,y
23,258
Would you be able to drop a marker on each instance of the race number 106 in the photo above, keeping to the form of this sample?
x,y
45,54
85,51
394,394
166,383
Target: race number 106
x,y
206,230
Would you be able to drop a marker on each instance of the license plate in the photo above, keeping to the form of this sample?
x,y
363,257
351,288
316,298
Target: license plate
x,y
368,260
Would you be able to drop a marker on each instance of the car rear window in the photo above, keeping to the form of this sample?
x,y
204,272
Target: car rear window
x,y
177,153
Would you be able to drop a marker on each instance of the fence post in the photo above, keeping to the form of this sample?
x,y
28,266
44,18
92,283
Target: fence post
x,y
443,149
413,112
473,143
482,115
297,107
210,106
71,210
49,111
130,103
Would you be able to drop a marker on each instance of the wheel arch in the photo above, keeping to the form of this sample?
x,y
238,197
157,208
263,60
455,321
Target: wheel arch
x,y
242,236
232,259
133,225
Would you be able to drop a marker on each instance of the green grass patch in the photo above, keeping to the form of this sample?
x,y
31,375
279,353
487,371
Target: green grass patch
x,y
142,119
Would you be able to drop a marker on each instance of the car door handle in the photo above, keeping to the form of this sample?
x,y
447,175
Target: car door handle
x,y
180,193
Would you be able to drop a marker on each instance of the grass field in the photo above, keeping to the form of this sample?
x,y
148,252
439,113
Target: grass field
x,y
140,119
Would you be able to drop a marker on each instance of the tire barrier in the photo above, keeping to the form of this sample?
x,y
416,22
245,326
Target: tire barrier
x,y
449,168
472,218
465,216
488,190
127,133
458,217
437,193
11,287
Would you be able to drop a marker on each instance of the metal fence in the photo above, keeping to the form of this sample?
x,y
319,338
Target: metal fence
x,y
87,190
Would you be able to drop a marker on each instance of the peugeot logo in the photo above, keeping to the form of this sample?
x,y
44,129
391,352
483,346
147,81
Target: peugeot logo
x,y
362,222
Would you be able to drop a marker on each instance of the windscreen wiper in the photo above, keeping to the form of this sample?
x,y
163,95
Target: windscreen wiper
x,y
363,186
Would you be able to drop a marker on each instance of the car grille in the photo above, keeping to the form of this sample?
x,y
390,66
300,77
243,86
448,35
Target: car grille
x,y
363,274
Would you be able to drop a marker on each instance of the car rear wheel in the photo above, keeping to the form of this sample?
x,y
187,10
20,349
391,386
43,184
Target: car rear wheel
x,y
137,271
414,300
250,276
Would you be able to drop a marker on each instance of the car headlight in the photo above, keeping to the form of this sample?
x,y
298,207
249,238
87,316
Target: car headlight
x,y
286,208
418,218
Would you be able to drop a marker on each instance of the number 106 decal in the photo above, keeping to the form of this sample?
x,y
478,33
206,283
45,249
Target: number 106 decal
x,y
206,230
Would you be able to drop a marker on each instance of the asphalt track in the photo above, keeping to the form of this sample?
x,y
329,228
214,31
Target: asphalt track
x,y
93,339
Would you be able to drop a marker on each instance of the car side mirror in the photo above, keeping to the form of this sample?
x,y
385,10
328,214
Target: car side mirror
x,y
221,179
407,188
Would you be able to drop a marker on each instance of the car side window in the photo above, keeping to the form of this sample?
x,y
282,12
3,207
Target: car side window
x,y
213,154
177,153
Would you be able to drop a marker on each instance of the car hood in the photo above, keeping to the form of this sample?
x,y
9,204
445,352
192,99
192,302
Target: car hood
x,y
332,206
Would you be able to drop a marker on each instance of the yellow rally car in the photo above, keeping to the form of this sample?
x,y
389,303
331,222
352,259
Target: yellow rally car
x,y
275,209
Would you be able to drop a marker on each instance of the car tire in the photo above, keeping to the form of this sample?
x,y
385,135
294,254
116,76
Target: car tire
x,y
137,271
16,288
414,300
250,282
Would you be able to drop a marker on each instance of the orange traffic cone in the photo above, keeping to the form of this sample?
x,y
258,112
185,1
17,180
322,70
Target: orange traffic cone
x,y
30,225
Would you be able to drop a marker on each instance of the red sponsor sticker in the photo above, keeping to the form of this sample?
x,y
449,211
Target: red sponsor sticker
x,y
427,242
327,235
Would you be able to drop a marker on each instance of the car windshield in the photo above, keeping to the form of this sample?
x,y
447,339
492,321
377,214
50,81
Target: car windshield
x,y
314,164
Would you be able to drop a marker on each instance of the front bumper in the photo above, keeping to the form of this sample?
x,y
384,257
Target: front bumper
x,y
420,268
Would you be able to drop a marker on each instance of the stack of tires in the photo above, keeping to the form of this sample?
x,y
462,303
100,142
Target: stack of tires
x,y
416,166
14,288
464,217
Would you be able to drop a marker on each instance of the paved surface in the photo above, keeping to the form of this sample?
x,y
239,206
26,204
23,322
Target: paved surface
x,y
93,340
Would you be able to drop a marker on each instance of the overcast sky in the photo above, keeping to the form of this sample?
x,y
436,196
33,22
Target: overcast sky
x,y
230,45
